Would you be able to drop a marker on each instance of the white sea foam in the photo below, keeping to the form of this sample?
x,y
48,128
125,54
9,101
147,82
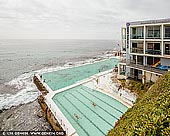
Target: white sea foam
x,y
27,91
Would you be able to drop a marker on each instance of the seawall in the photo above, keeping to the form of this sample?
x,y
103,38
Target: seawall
x,y
46,110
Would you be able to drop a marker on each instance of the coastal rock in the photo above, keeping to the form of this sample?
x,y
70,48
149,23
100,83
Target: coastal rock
x,y
26,117
40,114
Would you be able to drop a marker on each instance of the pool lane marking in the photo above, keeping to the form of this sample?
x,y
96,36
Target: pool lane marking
x,y
93,111
72,117
88,91
85,116
99,106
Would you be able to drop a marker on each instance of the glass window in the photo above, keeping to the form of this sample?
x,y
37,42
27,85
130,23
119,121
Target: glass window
x,y
137,33
153,32
167,32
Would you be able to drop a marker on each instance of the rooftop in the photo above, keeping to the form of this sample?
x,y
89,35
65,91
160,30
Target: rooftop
x,y
148,22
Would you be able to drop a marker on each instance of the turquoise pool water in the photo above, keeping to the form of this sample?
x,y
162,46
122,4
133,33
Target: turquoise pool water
x,y
93,120
66,77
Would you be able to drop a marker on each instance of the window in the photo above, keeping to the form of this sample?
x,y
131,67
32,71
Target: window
x,y
153,32
137,33
167,32
167,49
140,60
153,48
150,60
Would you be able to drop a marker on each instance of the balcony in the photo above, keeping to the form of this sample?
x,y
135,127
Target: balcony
x,y
167,52
154,35
166,48
153,32
137,50
167,36
153,52
137,33
167,32
147,68
137,78
134,36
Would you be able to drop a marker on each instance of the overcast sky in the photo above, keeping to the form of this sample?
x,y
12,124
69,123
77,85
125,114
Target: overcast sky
x,y
67,19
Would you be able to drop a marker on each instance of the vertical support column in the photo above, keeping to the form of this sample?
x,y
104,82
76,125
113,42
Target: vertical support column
x,y
162,39
143,76
144,41
119,69
127,48
129,41
144,61
121,46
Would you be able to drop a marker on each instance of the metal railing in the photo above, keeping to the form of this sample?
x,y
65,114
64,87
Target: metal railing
x,y
167,52
139,77
167,36
153,52
137,50
153,35
134,36
147,68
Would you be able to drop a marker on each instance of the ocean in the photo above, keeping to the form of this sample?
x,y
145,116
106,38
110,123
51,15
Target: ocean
x,y
20,59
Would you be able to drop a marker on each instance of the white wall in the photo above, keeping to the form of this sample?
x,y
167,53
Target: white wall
x,y
153,77
165,62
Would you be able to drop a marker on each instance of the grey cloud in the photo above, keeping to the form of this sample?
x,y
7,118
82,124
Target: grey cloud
x,y
74,18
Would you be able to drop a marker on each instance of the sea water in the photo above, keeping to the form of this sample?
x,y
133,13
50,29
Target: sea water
x,y
20,59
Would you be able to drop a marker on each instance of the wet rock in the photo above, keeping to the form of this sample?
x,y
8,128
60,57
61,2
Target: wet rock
x,y
26,117
40,114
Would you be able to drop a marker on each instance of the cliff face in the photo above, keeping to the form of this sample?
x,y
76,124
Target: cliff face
x,y
150,115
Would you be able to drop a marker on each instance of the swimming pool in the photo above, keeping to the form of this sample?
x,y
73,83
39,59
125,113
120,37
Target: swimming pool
x,y
97,112
62,78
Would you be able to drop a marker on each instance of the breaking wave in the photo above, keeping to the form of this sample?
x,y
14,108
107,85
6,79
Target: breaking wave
x,y
27,91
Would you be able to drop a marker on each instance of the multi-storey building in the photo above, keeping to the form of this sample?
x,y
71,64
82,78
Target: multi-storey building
x,y
147,49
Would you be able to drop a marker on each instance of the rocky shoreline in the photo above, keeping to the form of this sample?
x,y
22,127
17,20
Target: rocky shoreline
x,y
26,117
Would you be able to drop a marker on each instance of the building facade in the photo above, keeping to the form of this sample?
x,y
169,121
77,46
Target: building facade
x,y
147,49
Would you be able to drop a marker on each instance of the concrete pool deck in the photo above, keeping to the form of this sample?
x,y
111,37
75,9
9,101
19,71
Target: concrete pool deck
x,y
99,82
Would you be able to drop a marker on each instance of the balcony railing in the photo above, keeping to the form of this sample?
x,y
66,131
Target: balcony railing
x,y
153,36
167,36
153,52
123,61
134,36
167,52
137,50
147,68
139,77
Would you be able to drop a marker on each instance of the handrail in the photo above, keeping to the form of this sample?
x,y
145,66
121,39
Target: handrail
x,y
137,50
147,68
153,51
